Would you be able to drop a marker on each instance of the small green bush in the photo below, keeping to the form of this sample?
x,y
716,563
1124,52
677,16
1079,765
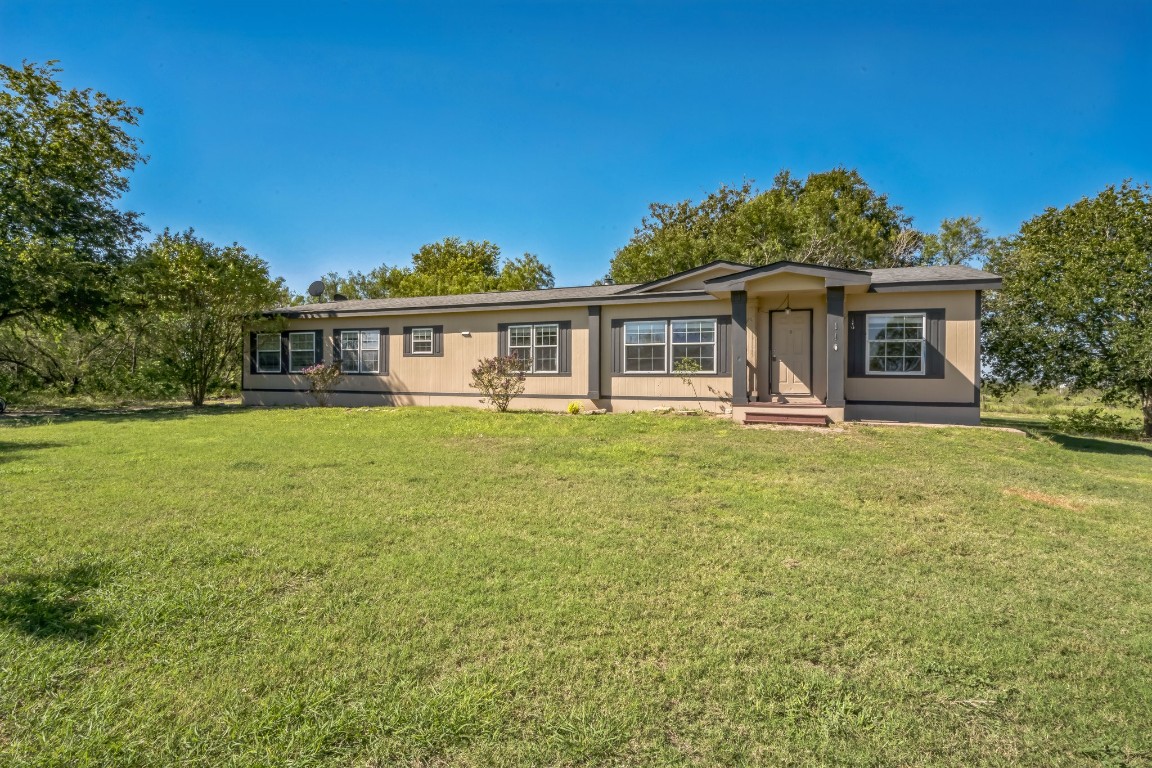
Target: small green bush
x,y
574,407
1093,421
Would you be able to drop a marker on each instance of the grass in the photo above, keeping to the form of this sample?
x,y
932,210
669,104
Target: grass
x,y
380,587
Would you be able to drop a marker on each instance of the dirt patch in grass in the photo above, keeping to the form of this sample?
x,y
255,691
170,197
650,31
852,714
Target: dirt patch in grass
x,y
1063,502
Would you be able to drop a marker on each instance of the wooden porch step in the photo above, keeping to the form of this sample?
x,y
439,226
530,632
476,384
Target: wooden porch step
x,y
796,419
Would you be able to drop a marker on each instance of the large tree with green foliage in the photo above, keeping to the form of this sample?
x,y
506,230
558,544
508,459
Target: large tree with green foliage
x,y
192,299
831,218
44,352
959,241
451,266
1076,307
64,159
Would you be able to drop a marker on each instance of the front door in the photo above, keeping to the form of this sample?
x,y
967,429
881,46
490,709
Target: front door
x,y
791,354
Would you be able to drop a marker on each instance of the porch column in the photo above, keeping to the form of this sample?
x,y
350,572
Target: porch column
x,y
836,343
739,347
594,352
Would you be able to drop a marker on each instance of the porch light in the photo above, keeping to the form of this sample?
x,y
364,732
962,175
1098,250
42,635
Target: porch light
x,y
787,309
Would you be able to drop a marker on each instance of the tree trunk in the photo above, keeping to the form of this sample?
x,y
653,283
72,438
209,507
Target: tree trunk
x,y
1146,407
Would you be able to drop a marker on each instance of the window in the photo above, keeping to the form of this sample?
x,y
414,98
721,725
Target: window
x,y
360,351
896,344
301,350
647,342
694,340
267,353
536,346
421,340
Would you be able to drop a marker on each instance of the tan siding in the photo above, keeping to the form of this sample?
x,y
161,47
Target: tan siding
x,y
642,386
959,349
784,283
451,373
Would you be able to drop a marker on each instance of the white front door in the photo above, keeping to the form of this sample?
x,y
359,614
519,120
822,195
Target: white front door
x,y
791,353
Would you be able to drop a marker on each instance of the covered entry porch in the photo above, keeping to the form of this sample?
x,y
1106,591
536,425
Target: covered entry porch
x,y
791,320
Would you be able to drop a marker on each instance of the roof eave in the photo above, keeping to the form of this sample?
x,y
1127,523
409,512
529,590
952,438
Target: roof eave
x,y
989,284
568,302
643,287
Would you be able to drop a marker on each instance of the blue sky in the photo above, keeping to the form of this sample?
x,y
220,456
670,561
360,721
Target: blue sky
x,y
339,135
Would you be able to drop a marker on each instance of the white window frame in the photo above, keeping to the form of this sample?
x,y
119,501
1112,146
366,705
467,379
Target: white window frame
x,y
672,344
668,345
664,345
888,317
533,345
359,337
312,336
430,341
279,354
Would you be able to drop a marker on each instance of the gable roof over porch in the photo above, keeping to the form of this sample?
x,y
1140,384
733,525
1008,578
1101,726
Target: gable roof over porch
x,y
723,277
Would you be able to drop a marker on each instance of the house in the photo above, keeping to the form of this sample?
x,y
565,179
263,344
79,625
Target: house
x,y
785,342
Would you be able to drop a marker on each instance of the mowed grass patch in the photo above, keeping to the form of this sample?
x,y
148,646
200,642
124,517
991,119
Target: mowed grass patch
x,y
455,587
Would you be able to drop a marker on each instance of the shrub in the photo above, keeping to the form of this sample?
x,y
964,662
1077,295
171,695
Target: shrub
x,y
321,379
1093,421
499,379
686,368
574,407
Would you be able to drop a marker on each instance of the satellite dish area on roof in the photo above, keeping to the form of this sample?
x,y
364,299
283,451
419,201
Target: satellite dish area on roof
x,y
316,289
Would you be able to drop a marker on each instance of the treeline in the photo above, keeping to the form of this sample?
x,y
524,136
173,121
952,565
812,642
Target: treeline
x,y
832,218
89,305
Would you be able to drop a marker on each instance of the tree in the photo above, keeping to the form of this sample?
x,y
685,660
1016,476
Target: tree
x,y
51,353
679,236
831,218
451,266
526,273
193,299
1076,306
64,156
960,241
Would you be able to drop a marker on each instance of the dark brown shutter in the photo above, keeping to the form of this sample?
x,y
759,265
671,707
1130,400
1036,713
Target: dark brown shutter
x,y
383,351
252,352
502,339
935,331
319,346
857,344
437,341
724,344
284,352
565,347
617,346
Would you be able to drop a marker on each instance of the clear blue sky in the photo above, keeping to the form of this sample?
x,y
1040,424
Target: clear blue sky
x,y
340,135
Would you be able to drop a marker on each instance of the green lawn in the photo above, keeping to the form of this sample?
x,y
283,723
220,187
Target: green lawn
x,y
382,587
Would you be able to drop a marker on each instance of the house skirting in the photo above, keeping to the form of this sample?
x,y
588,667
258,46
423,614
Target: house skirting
x,y
928,413
925,413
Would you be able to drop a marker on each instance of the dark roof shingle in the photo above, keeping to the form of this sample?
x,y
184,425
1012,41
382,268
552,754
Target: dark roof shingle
x,y
455,301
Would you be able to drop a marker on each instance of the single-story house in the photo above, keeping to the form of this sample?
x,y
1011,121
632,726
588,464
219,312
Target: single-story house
x,y
784,342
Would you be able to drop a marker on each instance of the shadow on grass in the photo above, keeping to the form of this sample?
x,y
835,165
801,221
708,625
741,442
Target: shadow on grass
x,y
1037,428
52,605
111,414
10,451
1098,445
